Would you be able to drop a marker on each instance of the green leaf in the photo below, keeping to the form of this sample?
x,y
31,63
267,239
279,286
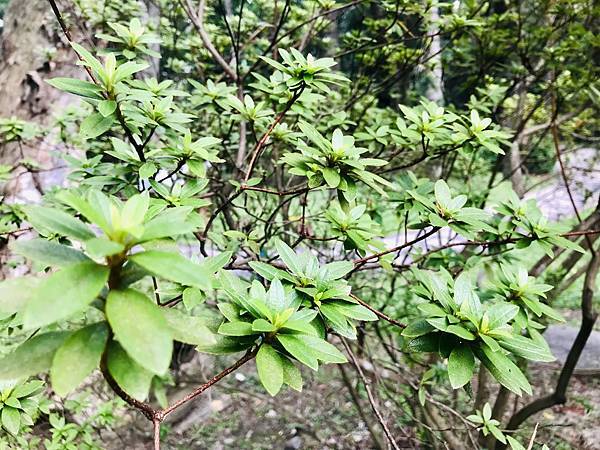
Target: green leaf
x,y
77,87
270,369
429,343
417,328
215,263
496,433
527,348
269,272
276,299
169,223
56,221
291,374
11,420
336,270
129,375
227,344
90,61
174,267
354,311
261,325
193,297
442,193
188,329
31,357
134,211
323,349
501,313
47,252
64,293
107,107
461,332
332,178
338,321
15,293
288,256
503,370
514,444
141,329
299,350
77,357
147,170
95,125
460,366
101,247
127,69
237,329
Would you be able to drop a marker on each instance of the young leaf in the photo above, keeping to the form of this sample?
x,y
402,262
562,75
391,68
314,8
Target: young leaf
x,y
77,357
270,369
64,293
141,329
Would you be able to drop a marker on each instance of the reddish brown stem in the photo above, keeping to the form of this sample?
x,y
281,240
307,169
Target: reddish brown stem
x,y
378,313
263,140
200,389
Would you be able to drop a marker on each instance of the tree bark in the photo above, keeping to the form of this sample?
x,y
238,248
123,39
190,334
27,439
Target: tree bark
x,y
31,51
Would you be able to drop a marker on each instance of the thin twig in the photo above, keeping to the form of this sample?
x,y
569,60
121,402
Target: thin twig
x,y
378,313
198,22
370,396
263,140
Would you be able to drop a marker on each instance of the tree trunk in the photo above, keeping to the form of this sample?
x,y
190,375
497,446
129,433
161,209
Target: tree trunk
x,y
32,50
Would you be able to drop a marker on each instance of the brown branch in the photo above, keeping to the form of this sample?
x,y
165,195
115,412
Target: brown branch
x,y
200,389
361,261
198,22
588,318
145,408
274,192
138,147
67,34
370,396
356,400
157,416
297,27
378,313
263,140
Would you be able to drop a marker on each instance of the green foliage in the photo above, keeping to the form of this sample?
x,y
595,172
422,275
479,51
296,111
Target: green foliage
x,y
20,405
239,199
